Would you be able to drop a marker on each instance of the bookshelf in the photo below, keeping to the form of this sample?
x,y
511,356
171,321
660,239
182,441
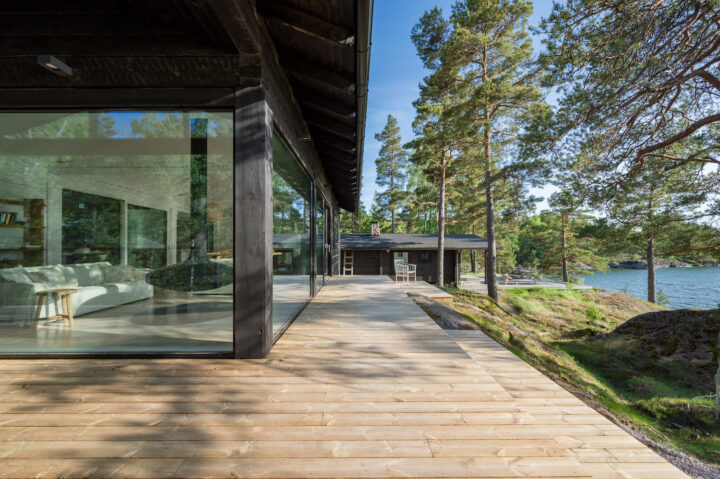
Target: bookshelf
x,y
30,213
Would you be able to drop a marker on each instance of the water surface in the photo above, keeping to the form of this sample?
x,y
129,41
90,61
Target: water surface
x,y
684,287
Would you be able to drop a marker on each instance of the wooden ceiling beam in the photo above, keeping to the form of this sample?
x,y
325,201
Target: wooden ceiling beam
x,y
329,152
340,108
326,111
108,46
296,66
333,128
320,116
341,144
306,23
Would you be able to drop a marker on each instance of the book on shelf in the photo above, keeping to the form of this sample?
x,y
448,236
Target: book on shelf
x,y
8,218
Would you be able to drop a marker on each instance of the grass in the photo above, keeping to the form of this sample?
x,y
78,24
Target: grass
x,y
554,329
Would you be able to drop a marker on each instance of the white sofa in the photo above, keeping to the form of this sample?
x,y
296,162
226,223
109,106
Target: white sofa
x,y
100,286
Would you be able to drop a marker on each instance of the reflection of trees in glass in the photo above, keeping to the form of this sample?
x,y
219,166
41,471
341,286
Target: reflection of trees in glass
x,y
147,237
320,235
183,232
291,213
91,228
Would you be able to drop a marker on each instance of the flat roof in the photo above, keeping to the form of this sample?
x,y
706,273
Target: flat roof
x,y
405,241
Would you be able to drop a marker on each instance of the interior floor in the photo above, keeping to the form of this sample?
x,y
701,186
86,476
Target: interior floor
x,y
198,324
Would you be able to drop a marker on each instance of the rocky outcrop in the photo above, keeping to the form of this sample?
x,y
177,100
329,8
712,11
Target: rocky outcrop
x,y
660,263
684,339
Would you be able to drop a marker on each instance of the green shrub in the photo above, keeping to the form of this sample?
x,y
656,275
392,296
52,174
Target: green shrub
x,y
593,314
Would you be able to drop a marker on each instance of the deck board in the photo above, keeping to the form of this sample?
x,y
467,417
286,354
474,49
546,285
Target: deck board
x,y
363,384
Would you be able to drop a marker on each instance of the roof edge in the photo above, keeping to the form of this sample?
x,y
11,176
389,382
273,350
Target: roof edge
x,y
363,42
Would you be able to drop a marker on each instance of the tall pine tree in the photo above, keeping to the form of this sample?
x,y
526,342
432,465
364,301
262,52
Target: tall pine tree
x,y
439,142
391,166
491,48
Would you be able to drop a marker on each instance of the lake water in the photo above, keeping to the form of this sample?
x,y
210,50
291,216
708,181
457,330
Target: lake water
x,y
684,287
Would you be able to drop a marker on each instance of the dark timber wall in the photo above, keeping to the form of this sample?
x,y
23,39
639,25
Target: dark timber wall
x,y
373,261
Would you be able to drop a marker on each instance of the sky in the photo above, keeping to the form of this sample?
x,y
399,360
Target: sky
x,y
396,72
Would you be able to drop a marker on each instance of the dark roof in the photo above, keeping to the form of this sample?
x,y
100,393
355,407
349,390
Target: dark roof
x,y
410,241
199,52
324,47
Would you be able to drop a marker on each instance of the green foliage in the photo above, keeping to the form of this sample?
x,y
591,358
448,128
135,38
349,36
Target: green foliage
x,y
630,87
655,397
391,166
593,314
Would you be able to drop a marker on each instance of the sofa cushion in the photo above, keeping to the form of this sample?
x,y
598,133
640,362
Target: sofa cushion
x,y
56,276
14,275
16,286
118,273
89,274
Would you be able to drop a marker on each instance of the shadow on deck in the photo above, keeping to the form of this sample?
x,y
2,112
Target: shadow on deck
x,y
363,384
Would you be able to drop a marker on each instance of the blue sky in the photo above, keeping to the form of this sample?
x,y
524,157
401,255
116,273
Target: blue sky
x,y
395,72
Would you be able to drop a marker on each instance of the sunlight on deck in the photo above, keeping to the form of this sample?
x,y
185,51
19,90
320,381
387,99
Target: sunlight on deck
x,y
363,384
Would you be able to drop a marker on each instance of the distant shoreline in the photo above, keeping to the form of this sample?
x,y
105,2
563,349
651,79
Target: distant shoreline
x,y
662,263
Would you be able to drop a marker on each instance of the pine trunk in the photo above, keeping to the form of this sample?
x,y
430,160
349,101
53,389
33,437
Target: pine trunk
x,y
491,257
563,241
473,256
441,230
651,270
392,204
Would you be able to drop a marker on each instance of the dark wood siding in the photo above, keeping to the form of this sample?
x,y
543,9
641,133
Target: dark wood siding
x,y
381,262
366,262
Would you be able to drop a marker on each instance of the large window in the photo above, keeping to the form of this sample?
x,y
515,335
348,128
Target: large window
x,y
117,232
291,236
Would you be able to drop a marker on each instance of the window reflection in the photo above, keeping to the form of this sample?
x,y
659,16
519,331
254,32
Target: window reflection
x,y
120,232
291,236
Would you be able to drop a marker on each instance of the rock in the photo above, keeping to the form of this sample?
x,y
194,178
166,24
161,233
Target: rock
x,y
686,337
659,263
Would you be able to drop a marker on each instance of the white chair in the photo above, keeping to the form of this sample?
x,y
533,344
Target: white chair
x,y
400,270
411,272
404,271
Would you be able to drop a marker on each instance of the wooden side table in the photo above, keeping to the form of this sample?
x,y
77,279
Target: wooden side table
x,y
64,295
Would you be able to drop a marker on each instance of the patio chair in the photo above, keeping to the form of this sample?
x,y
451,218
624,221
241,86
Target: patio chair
x,y
400,270
404,271
411,272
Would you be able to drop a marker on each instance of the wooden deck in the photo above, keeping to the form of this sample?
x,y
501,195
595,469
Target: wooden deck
x,y
426,289
363,384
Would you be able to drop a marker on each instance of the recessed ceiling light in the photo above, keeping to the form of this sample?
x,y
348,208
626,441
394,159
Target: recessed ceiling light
x,y
54,65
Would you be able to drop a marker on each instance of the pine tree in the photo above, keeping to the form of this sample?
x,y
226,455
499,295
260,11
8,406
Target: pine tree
x,y
635,77
438,146
491,47
564,247
391,166
655,201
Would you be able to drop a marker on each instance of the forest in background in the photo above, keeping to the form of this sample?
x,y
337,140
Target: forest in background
x,y
631,144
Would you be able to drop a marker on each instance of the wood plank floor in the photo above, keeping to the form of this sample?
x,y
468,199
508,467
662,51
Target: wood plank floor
x,y
362,385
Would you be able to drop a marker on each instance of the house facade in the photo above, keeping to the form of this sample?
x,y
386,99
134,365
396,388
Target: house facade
x,y
173,171
375,253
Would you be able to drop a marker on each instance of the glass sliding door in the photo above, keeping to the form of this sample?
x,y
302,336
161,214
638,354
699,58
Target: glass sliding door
x,y
320,240
291,236
119,232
